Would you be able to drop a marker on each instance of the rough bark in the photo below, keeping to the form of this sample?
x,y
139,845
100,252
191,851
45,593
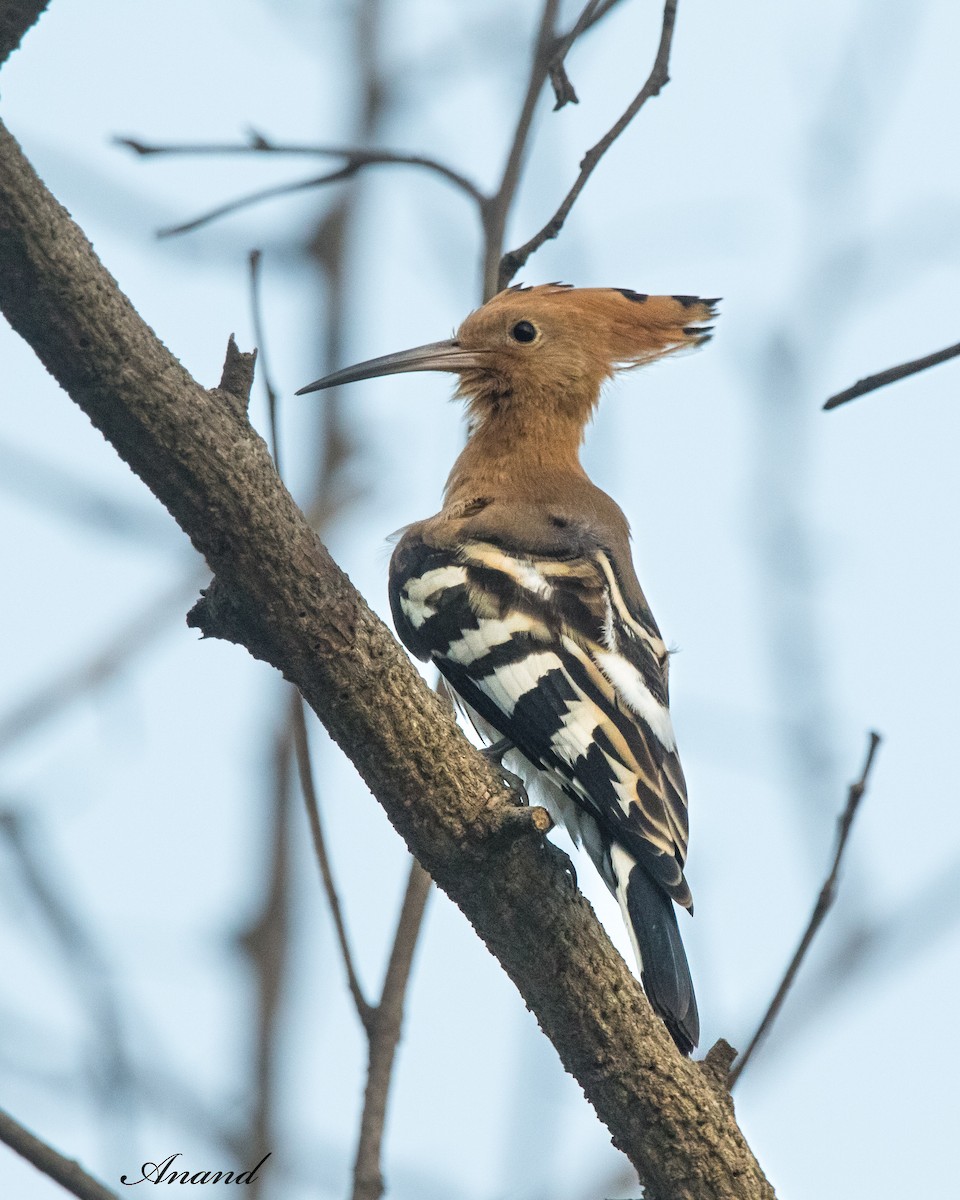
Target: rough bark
x,y
278,593
16,17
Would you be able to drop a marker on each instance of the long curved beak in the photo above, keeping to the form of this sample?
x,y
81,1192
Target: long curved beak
x,y
436,356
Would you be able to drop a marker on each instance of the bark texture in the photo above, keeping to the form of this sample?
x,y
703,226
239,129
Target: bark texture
x,y
16,17
278,593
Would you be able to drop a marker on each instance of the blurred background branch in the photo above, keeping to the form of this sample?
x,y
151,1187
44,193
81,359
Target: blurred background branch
x,y
516,259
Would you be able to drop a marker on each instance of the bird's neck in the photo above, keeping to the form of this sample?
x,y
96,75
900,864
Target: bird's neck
x,y
530,453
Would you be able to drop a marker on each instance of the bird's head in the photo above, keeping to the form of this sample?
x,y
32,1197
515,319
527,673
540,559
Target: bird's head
x,y
550,345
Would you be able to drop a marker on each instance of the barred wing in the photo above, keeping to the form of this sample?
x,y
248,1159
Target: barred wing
x,y
546,650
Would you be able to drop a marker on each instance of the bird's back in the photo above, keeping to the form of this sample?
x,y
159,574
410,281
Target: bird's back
x,y
524,612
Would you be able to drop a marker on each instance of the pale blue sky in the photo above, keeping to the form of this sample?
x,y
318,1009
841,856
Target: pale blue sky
x,y
801,165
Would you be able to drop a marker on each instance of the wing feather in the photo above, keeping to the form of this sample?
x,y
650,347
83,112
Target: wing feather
x,y
548,652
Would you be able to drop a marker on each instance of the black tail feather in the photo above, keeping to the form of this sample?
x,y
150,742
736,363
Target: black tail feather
x,y
663,964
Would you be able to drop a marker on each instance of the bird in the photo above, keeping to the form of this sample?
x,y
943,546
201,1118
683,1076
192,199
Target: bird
x,y
522,591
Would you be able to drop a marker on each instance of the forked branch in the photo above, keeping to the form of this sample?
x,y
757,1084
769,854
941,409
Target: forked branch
x,y
658,78
355,160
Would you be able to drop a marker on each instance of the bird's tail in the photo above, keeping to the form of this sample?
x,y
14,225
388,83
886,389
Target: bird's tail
x,y
651,918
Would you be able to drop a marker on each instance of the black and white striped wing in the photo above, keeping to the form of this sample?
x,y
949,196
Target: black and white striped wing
x,y
547,651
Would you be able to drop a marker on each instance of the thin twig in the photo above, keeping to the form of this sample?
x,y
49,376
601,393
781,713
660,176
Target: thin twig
x,y
563,89
356,161
353,154
512,261
886,944
266,944
256,257
598,15
384,1034
270,193
47,885
538,72
821,908
65,1171
495,208
870,383
302,748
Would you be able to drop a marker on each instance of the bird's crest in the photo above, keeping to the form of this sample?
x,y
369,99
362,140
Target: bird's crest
x,y
559,341
617,326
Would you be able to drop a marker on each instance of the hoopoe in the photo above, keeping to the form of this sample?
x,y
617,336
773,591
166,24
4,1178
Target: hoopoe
x,y
523,593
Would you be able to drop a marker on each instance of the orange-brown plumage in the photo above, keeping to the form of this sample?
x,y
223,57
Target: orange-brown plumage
x,y
582,335
522,591
528,403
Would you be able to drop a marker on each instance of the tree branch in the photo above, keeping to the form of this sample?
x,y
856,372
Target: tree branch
x,y
16,18
495,208
278,593
384,1034
870,383
355,158
68,1173
354,155
658,78
302,748
821,908
563,89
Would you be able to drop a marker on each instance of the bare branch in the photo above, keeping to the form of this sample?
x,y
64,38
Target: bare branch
x,y
521,133
67,1172
563,89
266,944
821,908
354,155
495,208
870,383
511,262
45,881
355,161
302,748
384,1033
278,593
270,193
16,18
883,944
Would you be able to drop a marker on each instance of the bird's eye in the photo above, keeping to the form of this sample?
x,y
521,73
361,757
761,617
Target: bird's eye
x,y
523,331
